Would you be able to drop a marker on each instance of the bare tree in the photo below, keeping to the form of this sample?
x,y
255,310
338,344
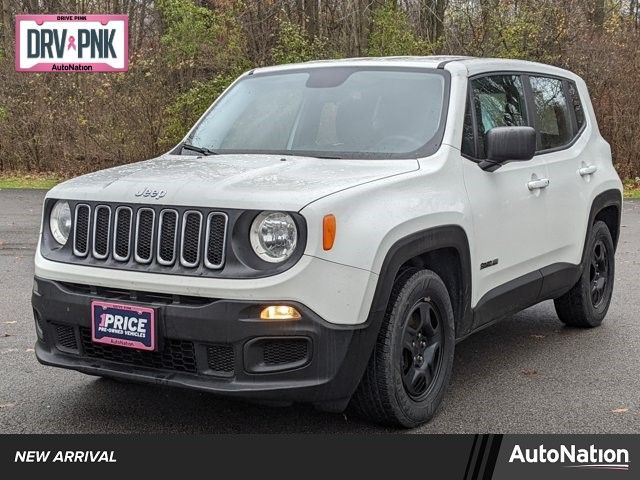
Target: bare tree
x,y
6,25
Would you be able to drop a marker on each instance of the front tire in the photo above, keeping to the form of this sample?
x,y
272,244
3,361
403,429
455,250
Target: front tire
x,y
587,303
411,363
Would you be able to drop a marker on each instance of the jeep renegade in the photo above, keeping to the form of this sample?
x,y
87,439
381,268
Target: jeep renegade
x,y
328,231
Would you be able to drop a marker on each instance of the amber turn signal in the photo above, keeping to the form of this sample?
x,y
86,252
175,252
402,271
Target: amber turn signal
x,y
328,231
279,312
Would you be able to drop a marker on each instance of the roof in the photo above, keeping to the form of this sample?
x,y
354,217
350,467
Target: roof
x,y
473,65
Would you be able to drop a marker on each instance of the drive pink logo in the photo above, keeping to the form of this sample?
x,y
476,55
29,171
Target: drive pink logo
x,y
72,43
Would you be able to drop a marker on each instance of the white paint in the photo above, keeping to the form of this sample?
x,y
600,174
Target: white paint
x,y
376,203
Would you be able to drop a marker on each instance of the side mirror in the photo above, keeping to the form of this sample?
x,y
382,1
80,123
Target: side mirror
x,y
508,144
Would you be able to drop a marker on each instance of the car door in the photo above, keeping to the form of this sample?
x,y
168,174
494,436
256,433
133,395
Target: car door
x,y
510,232
559,121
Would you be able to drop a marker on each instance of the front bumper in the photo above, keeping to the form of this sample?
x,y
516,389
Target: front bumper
x,y
214,345
340,294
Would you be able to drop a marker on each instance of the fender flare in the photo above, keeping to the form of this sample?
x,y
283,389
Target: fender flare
x,y
603,200
418,243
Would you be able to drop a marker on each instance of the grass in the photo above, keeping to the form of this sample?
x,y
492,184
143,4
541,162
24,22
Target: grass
x,y
632,193
35,181
632,188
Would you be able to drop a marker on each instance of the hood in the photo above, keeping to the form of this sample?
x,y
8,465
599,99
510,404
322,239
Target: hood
x,y
262,182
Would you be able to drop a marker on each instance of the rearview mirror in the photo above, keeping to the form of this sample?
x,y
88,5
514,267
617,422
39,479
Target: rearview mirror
x,y
508,144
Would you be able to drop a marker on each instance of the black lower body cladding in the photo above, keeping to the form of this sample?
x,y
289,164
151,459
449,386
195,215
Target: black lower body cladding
x,y
220,346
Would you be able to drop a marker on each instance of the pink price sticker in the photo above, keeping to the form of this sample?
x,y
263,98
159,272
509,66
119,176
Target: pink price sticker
x,y
72,43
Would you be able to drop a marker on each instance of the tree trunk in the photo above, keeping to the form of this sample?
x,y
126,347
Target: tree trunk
x,y
311,16
6,27
598,9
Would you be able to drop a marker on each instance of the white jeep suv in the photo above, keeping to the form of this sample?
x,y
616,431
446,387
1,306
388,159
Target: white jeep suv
x,y
328,231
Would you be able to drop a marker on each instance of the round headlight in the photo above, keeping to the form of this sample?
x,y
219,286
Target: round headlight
x,y
60,222
273,236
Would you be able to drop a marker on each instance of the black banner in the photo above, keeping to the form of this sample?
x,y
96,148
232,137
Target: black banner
x,y
467,457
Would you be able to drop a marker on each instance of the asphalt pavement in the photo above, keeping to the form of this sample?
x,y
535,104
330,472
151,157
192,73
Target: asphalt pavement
x,y
527,374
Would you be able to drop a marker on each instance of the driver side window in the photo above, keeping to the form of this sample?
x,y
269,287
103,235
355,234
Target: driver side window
x,y
498,102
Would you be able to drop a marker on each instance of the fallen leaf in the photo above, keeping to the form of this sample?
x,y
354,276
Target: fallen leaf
x,y
10,323
7,405
538,336
529,373
5,335
619,410
29,350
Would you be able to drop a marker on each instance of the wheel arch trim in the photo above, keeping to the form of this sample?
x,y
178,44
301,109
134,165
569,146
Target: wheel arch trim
x,y
404,249
608,198
414,245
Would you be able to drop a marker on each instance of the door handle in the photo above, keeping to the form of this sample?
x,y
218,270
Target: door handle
x,y
538,184
589,170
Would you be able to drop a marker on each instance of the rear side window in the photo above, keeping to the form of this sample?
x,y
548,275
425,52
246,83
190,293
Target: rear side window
x,y
552,115
577,104
499,102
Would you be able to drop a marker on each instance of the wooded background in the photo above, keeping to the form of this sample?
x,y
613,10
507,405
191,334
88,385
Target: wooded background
x,y
184,52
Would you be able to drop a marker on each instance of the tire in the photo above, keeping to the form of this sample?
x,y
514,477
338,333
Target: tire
x,y
587,303
410,366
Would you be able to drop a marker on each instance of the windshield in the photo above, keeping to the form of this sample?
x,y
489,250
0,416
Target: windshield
x,y
332,112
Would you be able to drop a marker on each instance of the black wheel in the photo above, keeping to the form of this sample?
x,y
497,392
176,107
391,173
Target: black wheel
x,y
586,304
410,366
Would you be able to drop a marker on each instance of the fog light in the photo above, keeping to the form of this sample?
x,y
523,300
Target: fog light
x,y
279,312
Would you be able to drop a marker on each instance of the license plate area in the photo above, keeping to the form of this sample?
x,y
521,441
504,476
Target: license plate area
x,y
123,325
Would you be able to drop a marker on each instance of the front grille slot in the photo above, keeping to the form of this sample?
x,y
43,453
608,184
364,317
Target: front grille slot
x,y
176,355
191,233
214,245
167,237
122,233
220,358
101,232
81,230
66,337
137,296
282,352
144,235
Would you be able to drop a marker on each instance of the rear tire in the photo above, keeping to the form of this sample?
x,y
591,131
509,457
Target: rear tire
x,y
587,303
410,366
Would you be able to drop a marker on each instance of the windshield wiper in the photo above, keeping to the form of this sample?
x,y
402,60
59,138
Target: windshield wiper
x,y
326,157
195,148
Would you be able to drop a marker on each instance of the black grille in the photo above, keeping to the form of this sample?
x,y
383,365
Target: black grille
x,y
101,231
177,355
123,233
168,236
191,239
216,230
155,235
136,296
144,235
66,337
220,358
285,351
81,232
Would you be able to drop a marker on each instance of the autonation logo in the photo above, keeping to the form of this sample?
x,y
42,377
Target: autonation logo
x,y
574,457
